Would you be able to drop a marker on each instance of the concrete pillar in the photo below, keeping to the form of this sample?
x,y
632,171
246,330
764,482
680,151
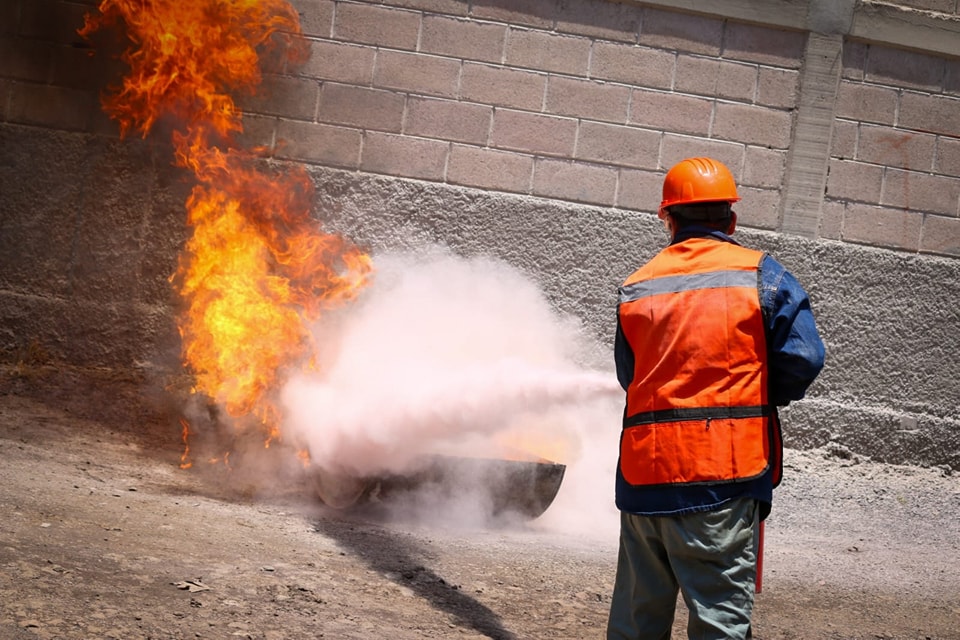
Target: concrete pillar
x,y
806,175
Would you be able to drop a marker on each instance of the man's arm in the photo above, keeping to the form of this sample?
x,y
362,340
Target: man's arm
x,y
794,347
623,357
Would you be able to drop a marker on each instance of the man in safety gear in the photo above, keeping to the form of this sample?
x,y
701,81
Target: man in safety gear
x,y
711,338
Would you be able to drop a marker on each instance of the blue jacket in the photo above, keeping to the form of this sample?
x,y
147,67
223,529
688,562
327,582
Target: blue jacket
x,y
795,358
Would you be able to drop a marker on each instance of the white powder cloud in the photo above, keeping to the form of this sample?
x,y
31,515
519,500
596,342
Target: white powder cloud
x,y
459,357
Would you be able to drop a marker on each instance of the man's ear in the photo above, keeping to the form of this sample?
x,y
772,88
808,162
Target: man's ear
x,y
733,223
670,225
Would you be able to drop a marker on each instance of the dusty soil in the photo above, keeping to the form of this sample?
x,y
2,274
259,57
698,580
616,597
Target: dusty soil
x,y
104,536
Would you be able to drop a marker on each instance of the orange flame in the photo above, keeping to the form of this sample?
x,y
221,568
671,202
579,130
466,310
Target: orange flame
x,y
257,269
255,274
185,462
538,446
186,58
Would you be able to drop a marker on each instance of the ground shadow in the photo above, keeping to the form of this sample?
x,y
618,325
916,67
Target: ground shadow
x,y
406,563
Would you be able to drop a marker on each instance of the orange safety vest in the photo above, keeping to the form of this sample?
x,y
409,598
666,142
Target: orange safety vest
x,y
697,407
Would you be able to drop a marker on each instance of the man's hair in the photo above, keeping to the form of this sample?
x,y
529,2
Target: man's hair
x,y
709,214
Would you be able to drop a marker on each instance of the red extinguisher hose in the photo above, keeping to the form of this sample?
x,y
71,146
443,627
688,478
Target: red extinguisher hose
x,y
760,558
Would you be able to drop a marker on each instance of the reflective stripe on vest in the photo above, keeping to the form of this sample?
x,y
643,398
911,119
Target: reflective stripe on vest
x,y
697,405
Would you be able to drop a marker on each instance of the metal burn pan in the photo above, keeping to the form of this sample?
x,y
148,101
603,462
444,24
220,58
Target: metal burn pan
x,y
523,487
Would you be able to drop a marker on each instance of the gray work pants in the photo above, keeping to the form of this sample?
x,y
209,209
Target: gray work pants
x,y
710,557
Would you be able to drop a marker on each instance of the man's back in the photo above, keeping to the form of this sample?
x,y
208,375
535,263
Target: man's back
x,y
711,337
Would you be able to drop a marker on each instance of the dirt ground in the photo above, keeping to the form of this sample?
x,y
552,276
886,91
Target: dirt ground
x,y
104,536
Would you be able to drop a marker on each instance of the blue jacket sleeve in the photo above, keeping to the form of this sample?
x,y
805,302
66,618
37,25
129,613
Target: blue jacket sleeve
x,y
623,357
795,350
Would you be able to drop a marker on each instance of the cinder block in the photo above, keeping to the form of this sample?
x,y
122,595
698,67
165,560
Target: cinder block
x,y
843,139
466,39
758,208
763,167
318,143
929,113
258,132
77,69
533,132
542,51
340,62
717,78
600,19
361,107
854,181
568,180
382,26
639,190
9,18
695,74
620,145
777,87
675,148
896,148
752,125
634,65
671,112
502,86
404,156
941,235
951,77
882,227
448,120
417,73
831,220
283,96
57,107
52,20
737,81
316,17
28,60
921,192
489,169
886,65
764,45
867,103
533,13
854,60
587,99
681,32
948,156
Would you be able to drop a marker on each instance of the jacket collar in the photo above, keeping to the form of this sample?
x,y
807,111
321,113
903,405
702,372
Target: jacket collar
x,y
698,231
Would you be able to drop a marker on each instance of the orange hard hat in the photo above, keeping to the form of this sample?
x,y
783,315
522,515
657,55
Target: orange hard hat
x,y
697,180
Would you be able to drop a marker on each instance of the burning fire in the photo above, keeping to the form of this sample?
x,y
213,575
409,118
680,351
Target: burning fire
x,y
257,269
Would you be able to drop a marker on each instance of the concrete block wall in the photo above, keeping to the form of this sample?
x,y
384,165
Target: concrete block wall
x,y
537,132
574,102
894,168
